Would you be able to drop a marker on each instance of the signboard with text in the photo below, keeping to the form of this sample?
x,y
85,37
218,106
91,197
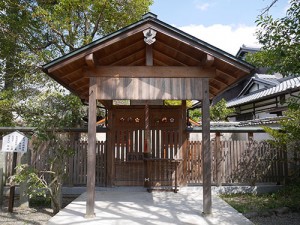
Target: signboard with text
x,y
15,142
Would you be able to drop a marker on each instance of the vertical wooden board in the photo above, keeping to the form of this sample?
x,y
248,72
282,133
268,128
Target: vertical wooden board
x,y
130,140
223,161
153,150
158,142
136,140
85,164
117,145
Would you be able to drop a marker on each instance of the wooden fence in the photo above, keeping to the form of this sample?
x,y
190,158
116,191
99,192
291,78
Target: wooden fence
x,y
245,162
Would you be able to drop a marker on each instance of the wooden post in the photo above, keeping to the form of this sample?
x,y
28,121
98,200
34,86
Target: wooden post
x,y
24,202
1,186
206,154
110,149
91,154
250,136
12,187
218,157
147,148
147,144
183,141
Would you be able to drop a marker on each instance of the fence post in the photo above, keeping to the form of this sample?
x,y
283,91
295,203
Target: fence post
x,y
25,158
218,158
1,174
1,186
250,136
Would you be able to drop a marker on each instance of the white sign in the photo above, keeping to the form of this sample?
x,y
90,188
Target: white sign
x,y
15,142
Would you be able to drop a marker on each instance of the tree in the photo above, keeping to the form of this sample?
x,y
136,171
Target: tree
x,y
35,32
219,111
288,138
280,39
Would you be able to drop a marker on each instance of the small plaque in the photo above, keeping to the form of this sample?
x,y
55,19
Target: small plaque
x,y
15,142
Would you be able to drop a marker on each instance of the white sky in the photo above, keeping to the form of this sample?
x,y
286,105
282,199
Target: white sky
x,y
226,24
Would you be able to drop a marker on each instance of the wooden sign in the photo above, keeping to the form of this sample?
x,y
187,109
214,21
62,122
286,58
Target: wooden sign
x,y
15,142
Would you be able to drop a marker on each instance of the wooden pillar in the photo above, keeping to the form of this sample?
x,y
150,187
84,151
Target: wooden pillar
x,y
206,154
110,149
91,154
147,145
184,143
147,148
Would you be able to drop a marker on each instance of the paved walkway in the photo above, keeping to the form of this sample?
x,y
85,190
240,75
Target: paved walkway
x,y
135,206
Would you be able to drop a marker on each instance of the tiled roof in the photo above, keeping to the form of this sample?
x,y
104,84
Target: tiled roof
x,y
260,122
284,85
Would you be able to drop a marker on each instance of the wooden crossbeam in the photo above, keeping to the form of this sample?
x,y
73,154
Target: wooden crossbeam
x,y
150,71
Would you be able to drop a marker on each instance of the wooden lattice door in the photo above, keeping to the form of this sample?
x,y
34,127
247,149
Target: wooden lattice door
x,y
133,162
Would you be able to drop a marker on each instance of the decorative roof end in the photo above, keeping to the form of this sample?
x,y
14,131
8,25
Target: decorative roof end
x,y
149,15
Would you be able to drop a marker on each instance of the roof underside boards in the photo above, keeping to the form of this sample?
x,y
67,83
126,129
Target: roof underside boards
x,y
291,84
172,48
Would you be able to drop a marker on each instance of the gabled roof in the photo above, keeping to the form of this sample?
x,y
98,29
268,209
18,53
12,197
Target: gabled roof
x,y
127,47
246,49
265,79
285,85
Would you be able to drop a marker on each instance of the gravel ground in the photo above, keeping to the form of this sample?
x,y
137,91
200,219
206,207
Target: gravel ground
x,y
286,219
40,216
32,216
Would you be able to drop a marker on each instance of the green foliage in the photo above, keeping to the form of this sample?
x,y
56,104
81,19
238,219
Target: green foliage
x,y
31,34
280,39
35,32
220,112
289,196
289,135
36,184
189,103
195,115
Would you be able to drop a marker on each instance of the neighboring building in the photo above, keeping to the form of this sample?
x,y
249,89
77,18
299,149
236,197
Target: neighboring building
x,y
264,96
259,98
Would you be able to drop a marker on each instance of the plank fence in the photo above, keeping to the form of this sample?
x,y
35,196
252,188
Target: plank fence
x,y
243,162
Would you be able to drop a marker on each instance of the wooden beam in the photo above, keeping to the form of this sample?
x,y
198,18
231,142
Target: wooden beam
x,y
215,86
89,60
95,48
113,88
169,48
171,60
149,55
78,80
80,70
130,58
159,63
209,60
151,72
221,80
91,154
136,45
206,154
226,74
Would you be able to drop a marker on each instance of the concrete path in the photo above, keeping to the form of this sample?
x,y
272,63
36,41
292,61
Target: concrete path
x,y
135,206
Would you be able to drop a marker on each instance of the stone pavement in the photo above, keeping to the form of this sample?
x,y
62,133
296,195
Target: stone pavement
x,y
130,205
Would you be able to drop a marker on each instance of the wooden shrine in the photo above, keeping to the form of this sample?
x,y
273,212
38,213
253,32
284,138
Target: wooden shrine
x,y
148,61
